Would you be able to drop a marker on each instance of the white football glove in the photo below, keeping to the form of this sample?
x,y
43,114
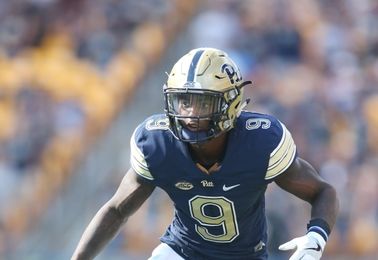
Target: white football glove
x,y
308,247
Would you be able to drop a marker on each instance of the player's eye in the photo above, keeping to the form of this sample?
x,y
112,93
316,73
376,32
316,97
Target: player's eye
x,y
185,103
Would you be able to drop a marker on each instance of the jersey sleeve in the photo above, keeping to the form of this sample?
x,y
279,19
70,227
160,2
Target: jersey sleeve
x,y
137,158
282,156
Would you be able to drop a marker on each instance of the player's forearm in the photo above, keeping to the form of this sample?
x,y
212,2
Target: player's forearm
x,y
103,227
326,205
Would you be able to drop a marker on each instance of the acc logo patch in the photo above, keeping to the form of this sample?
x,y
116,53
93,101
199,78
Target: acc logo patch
x,y
184,185
159,124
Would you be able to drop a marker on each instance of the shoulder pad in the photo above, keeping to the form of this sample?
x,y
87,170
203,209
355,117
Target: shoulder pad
x,y
144,144
272,138
283,153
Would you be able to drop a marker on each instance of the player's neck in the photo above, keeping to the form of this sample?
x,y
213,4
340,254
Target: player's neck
x,y
210,152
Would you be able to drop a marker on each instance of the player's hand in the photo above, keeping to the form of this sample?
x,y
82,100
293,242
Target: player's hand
x,y
308,247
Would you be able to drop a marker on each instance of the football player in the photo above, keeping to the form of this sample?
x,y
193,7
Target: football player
x,y
214,160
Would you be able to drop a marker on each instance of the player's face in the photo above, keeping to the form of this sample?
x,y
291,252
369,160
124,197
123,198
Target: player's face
x,y
196,110
193,107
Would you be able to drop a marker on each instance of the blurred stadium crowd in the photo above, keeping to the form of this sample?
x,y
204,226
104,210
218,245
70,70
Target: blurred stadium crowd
x,y
67,68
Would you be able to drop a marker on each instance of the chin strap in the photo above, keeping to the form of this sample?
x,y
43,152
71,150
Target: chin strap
x,y
245,103
194,137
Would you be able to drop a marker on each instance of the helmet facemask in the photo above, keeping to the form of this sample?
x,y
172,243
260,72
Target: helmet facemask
x,y
198,115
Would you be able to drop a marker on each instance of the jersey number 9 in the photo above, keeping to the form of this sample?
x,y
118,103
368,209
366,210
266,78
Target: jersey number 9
x,y
225,220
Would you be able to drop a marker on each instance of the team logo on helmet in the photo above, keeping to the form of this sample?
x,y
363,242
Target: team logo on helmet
x,y
232,74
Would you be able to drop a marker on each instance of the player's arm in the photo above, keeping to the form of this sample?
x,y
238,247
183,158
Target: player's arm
x,y
302,180
130,195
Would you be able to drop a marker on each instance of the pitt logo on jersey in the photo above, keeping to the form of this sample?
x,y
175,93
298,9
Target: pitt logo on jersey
x,y
184,185
206,183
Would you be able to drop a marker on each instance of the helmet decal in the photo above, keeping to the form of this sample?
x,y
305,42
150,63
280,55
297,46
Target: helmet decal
x,y
193,65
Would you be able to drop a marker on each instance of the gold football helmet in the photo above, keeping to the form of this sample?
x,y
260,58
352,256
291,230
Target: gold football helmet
x,y
203,95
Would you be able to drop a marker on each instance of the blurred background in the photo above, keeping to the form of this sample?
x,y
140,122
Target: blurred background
x,y
77,76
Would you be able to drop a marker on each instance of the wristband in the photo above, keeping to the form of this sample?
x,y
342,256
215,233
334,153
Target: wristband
x,y
319,226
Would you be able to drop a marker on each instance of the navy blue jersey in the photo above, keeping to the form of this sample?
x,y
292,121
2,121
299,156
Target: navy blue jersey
x,y
218,215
